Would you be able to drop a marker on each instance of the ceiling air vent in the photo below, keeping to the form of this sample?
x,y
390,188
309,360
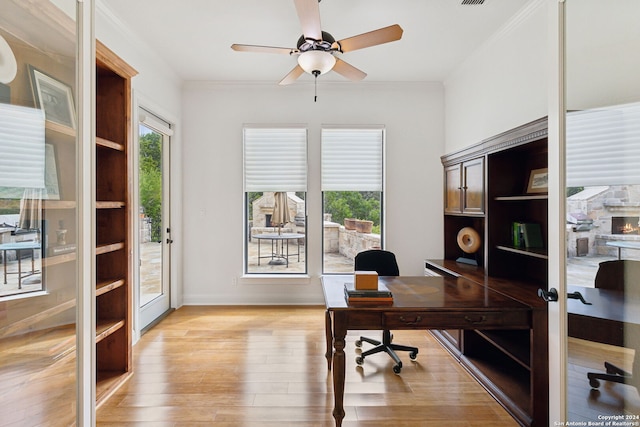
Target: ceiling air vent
x,y
472,2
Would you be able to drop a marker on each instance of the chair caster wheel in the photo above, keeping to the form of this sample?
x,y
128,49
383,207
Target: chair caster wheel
x,y
359,360
358,343
397,368
413,355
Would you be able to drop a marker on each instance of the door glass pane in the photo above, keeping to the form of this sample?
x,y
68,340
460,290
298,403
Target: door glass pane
x,y
603,209
38,226
150,215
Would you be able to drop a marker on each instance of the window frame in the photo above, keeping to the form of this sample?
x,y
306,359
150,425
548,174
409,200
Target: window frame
x,y
301,162
382,184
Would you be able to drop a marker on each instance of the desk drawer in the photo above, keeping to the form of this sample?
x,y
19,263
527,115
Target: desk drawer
x,y
456,320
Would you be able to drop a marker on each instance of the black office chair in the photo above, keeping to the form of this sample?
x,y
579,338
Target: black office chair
x,y
385,264
624,276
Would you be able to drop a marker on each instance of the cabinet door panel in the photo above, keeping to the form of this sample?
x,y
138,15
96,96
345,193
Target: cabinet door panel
x,y
473,186
453,194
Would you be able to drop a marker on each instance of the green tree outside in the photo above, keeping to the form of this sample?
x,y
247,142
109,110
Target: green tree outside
x,y
151,181
363,205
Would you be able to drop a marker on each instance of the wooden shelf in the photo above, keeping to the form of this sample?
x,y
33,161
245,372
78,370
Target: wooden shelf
x,y
522,198
536,253
102,142
110,247
58,259
505,380
58,204
106,328
116,204
61,129
105,286
514,344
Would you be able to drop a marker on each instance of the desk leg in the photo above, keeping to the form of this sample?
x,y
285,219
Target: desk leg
x,y
329,337
339,334
4,263
258,250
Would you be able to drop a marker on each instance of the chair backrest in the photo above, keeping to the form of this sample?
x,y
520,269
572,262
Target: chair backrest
x,y
620,275
378,260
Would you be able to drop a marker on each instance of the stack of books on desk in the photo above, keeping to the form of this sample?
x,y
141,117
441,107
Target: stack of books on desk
x,y
374,297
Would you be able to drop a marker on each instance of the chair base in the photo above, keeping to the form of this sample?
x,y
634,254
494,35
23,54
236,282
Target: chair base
x,y
614,374
388,347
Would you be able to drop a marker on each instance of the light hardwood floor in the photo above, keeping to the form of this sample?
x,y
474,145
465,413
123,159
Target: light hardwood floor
x,y
265,366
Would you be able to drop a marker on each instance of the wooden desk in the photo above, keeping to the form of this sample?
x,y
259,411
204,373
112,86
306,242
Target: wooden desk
x,y
605,319
421,302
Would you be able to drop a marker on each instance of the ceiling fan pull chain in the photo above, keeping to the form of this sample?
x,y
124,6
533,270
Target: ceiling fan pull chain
x,y
315,85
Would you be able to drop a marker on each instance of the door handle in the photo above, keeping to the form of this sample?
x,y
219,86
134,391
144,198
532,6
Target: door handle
x,y
548,296
578,295
552,295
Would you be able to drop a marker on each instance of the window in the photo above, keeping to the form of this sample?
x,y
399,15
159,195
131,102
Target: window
x,y
27,177
352,193
275,189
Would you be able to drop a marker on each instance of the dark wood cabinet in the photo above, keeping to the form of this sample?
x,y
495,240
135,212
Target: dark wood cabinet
x,y
464,187
512,365
113,221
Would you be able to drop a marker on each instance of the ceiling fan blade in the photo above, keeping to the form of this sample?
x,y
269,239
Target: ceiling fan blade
x,y
309,16
348,70
262,49
372,38
292,76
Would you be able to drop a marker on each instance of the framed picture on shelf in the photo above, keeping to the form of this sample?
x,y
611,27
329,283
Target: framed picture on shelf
x,y
52,189
538,181
54,97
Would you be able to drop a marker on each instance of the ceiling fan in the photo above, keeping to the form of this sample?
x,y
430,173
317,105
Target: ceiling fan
x,y
316,49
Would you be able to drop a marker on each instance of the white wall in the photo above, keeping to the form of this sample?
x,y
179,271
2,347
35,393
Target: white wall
x,y
503,84
213,116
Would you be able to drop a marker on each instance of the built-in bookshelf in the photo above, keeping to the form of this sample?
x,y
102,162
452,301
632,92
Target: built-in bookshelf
x,y
511,364
113,224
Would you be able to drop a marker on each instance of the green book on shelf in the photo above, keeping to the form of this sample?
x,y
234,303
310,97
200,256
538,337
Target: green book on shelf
x,y
516,234
532,235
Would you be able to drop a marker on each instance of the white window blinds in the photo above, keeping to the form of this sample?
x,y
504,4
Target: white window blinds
x,y
352,159
603,146
21,147
275,159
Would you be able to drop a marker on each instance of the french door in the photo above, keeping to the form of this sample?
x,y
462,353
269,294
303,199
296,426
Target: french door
x,y
154,237
594,195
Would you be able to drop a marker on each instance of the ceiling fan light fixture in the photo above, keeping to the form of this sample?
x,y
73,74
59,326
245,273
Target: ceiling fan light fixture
x,y
316,61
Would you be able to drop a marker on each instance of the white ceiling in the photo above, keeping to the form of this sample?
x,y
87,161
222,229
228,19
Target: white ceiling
x,y
195,35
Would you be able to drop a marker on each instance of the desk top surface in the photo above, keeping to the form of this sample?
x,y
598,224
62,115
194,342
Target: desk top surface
x,y
420,292
605,304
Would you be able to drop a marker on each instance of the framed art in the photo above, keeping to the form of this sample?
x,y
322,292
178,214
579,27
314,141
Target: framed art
x,y
538,181
54,97
52,189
